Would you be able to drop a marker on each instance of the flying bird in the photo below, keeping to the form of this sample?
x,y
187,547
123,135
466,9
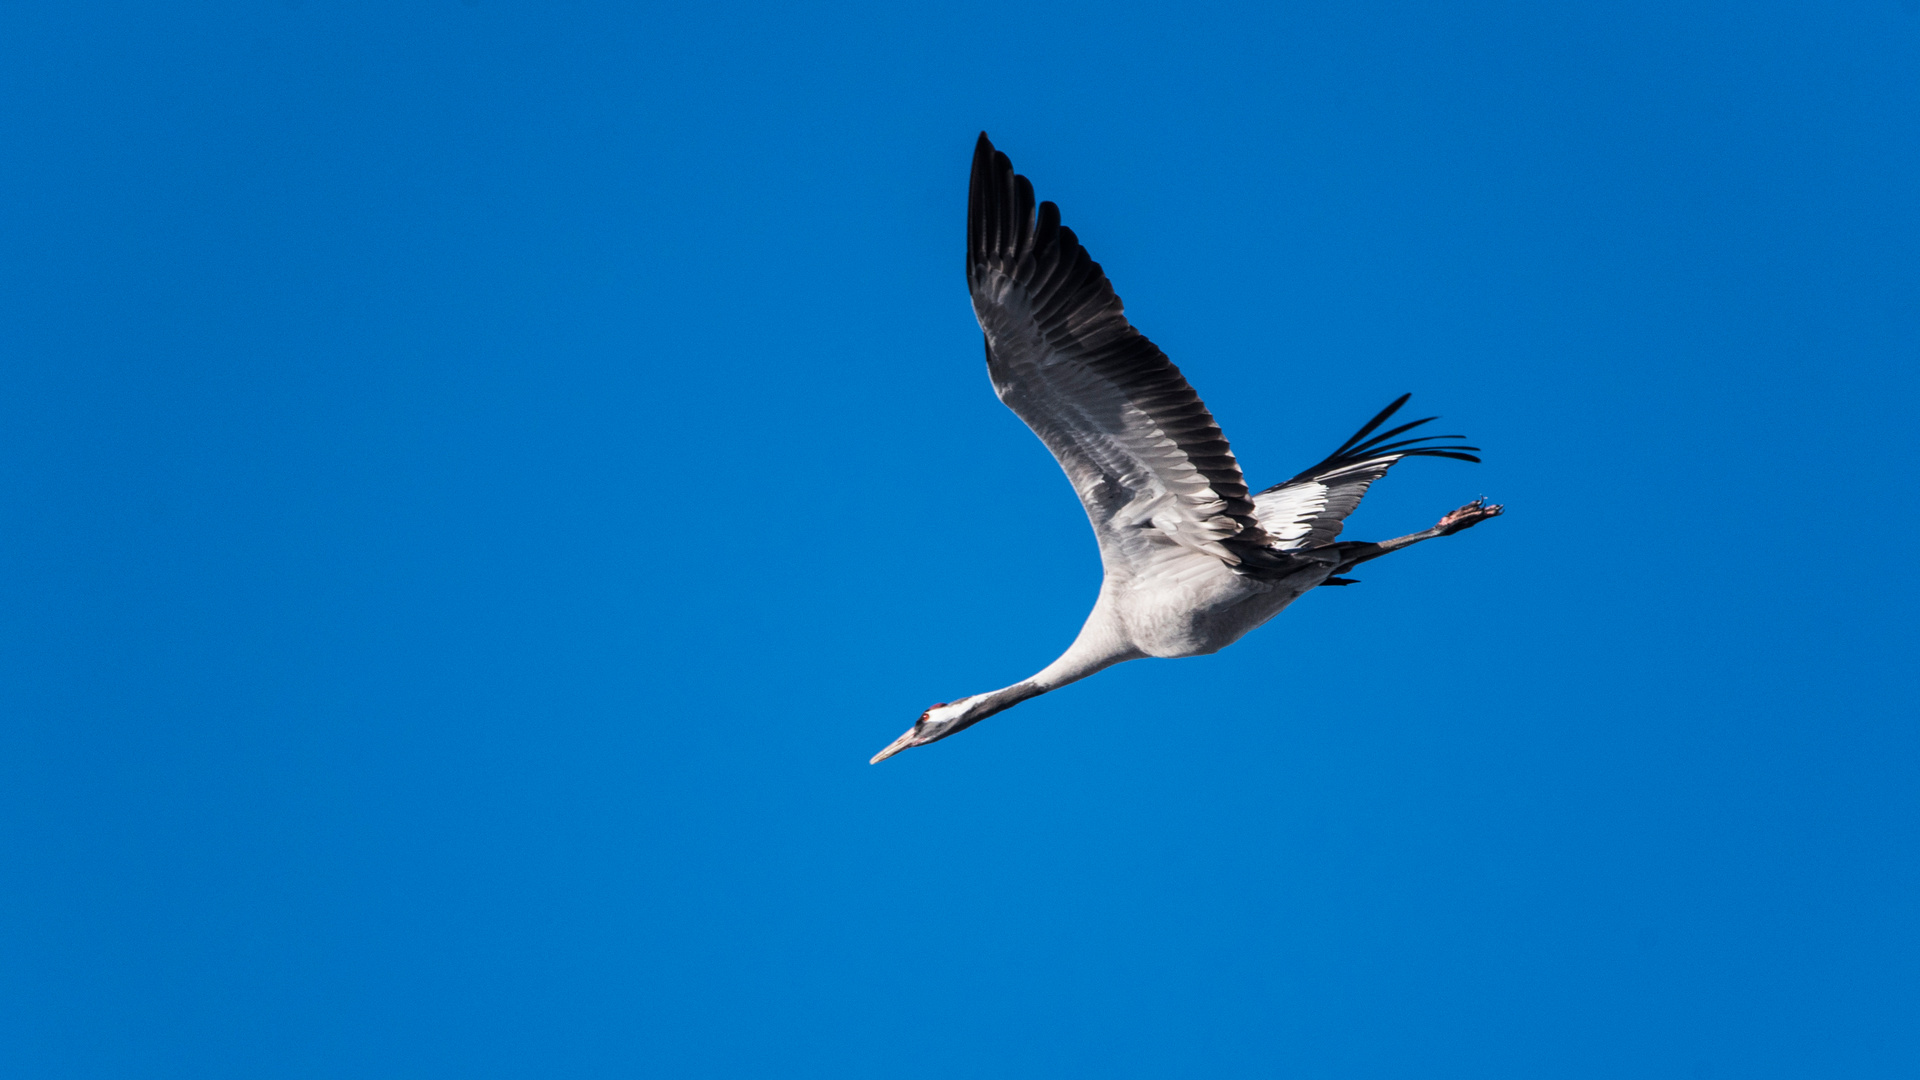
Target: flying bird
x,y
1193,561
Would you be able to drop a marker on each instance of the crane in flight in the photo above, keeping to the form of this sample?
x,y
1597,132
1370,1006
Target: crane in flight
x,y
1192,560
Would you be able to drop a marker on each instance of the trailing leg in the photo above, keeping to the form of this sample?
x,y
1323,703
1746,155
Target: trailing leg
x,y
1475,512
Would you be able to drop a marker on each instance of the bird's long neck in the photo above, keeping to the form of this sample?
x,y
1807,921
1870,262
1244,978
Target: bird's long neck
x,y
1101,644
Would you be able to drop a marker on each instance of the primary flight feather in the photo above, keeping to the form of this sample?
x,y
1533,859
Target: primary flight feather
x,y
1193,561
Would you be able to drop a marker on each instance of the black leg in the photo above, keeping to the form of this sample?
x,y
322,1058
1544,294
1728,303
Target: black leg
x,y
1354,553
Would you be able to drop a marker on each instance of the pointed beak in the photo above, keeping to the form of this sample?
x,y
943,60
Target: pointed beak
x,y
897,745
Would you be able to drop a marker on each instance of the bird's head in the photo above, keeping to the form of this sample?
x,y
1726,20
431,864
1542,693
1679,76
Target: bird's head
x,y
937,723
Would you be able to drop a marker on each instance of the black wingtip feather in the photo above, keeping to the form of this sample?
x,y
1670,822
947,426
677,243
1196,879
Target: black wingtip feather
x,y
1375,422
1023,214
1401,430
1361,447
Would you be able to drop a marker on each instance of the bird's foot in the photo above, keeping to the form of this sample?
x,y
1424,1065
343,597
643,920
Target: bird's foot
x,y
1467,517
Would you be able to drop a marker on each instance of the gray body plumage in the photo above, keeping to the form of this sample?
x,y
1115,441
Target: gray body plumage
x,y
1192,560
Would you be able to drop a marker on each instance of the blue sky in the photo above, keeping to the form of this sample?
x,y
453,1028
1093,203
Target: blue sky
x,y
481,479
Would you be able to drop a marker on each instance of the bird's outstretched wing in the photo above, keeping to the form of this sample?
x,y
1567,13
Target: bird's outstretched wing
x,y
1307,511
1145,455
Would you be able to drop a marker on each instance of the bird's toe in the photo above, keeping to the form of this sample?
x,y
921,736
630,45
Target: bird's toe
x,y
1468,516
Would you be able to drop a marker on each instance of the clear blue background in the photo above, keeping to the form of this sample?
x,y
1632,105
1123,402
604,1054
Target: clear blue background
x,y
480,480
